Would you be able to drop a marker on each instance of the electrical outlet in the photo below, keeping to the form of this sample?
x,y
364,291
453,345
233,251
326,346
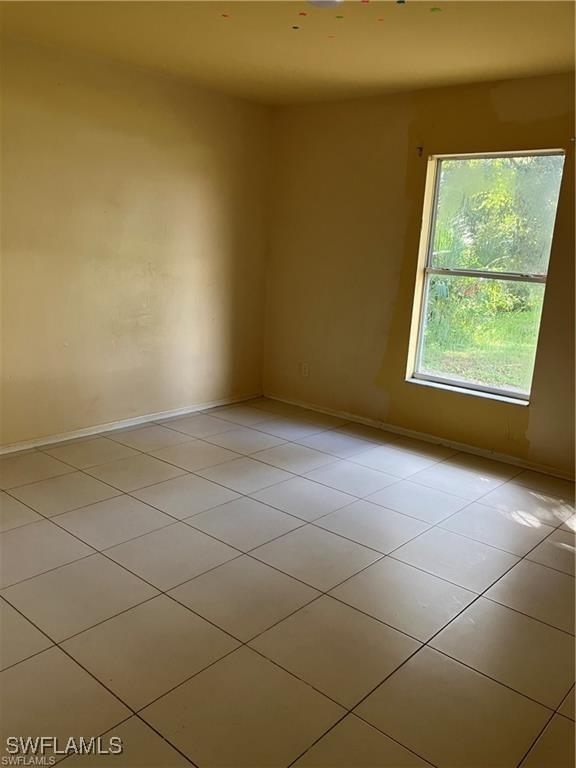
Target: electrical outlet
x,y
305,369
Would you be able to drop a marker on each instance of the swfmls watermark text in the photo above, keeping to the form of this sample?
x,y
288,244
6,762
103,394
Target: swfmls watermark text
x,y
44,750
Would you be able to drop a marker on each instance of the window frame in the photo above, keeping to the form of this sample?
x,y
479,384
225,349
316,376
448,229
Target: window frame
x,y
424,270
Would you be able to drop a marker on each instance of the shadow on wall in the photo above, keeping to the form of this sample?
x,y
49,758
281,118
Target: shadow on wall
x,y
133,243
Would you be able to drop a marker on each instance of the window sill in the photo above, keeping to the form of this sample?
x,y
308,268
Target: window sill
x,y
465,391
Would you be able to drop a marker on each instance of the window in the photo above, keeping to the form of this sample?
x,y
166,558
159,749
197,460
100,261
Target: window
x,y
487,234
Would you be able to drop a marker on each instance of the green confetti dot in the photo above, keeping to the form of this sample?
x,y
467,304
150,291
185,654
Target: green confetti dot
x,y
435,10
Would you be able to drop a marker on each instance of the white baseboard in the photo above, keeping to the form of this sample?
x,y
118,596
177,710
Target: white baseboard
x,y
121,424
464,447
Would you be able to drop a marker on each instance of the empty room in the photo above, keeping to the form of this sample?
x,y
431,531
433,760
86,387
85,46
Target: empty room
x,y
288,384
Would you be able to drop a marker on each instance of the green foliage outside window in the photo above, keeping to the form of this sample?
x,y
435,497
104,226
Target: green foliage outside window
x,y
497,215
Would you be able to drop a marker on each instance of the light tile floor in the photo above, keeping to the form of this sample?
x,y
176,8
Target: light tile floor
x,y
264,586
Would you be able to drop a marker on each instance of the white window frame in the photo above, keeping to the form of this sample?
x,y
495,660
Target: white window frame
x,y
425,270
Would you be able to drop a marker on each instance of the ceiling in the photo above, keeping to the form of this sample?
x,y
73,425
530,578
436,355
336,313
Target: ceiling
x,y
251,49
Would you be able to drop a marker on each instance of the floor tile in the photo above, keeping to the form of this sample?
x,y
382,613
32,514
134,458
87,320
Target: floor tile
x,y
304,498
326,420
351,478
293,428
363,431
35,548
241,414
61,494
316,557
468,563
13,513
244,523
373,526
511,532
425,448
524,654
135,472
141,748
569,525
29,468
245,475
113,521
89,453
530,504
194,454
557,551
19,639
315,418
278,407
470,479
567,708
77,596
245,441
198,425
393,460
148,438
295,412
294,458
404,597
171,555
484,466
74,704
555,747
244,596
553,485
338,650
185,496
418,501
337,444
538,592
352,743
452,715
144,652
268,717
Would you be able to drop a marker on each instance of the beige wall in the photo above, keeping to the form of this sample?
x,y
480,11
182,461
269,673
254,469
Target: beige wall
x,y
135,231
133,240
344,242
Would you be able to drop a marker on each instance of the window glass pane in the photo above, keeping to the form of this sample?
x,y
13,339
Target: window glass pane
x,y
496,213
481,331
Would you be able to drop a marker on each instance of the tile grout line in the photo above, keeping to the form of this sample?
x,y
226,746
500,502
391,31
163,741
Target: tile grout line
x,y
132,711
275,415
184,473
322,593
426,644
408,478
280,536
242,643
540,734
